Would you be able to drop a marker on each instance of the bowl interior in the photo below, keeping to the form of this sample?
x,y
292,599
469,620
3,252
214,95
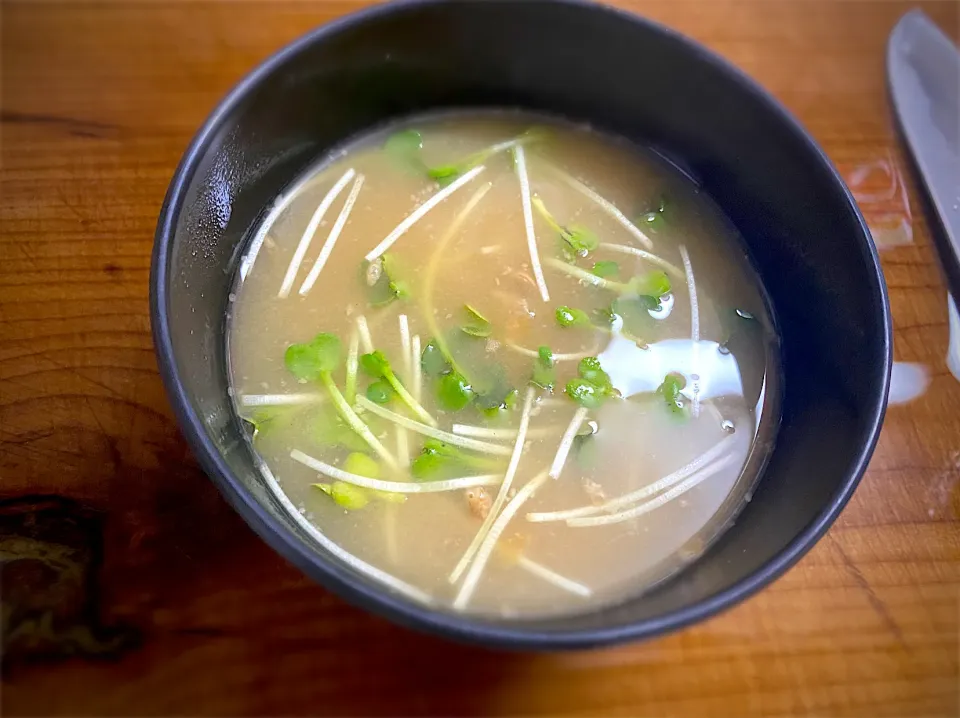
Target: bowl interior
x,y
623,75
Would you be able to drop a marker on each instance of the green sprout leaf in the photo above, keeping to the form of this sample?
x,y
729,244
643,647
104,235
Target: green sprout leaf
x,y
605,269
508,404
375,364
447,173
362,465
438,460
309,361
584,393
380,392
433,361
568,317
589,368
654,219
348,496
544,374
653,284
404,148
382,282
578,240
670,389
454,392
477,325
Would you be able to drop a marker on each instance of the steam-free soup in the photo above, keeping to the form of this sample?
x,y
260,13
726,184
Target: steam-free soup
x,y
503,367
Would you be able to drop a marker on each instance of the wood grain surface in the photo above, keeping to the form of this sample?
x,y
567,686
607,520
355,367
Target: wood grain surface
x,y
130,587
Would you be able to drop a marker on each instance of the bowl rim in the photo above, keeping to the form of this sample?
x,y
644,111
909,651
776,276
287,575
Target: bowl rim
x,y
379,600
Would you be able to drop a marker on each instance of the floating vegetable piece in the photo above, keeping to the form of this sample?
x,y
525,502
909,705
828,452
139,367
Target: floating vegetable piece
x,y
362,465
380,392
439,460
404,147
652,284
606,268
579,240
544,374
381,276
569,317
454,392
477,325
433,361
308,361
376,365
589,368
348,496
670,389
447,173
585,393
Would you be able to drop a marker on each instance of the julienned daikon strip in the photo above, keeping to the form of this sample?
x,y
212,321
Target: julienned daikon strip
x,y
419,213
501,498
521,162
482,432
366,341
353,353
350,416
575,356
567,442
692,288
645,255
439,434
328,245
361,567
430,274
648,506
605,204
415,351
552,577
649,490
490,540
396,487
311,229
280,399
694,327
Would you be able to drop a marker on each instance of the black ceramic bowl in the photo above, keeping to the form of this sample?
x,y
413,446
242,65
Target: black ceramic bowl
x,y
622,74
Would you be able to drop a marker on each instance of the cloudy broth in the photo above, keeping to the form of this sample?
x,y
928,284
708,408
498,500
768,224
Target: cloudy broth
x,y
510,367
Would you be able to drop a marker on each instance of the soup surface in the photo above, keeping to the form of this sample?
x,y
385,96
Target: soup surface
x,y
504,366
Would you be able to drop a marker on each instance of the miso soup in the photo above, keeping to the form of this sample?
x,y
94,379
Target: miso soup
x,y
503,365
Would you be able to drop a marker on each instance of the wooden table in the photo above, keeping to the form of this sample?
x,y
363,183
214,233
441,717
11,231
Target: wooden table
x,y
130,562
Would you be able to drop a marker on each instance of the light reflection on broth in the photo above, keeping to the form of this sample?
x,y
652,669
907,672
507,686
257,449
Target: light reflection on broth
x,y
653,461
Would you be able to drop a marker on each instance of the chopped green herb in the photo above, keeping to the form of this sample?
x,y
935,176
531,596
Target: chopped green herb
x,y
348,496
439,461
544,374
579,240
589,368
404,147
671,387
376,365
309,361
380,392
606,268
454,392
586,394
652,284
362,465
433,361
567,317
477,325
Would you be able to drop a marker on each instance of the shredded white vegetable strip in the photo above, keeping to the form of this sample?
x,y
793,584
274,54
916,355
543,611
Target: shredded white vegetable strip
x,y
490,539
648,256
280,399
604,204
552,577
397,487
362,567
366,341
332,238
498,502
353,353
649,490
403,445
567,442
694,324
648,506
521,159
575,356
482,432
692,287
420,211
445,436
311,229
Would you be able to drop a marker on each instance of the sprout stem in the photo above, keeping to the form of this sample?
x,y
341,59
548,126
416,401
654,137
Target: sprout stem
x,y
331,240
280,399
350,386
567,442
648,256
551,576
366,341
520,156
354,421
